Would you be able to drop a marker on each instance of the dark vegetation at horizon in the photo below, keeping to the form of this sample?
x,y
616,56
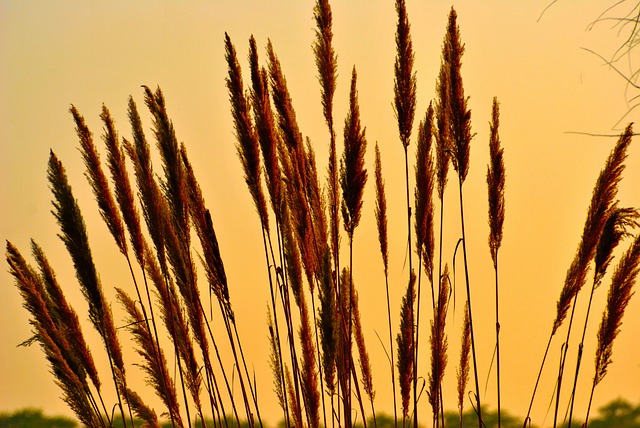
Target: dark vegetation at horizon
x,y
618,413
319,358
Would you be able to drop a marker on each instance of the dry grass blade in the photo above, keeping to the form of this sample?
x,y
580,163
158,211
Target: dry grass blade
x,y
463,368
495,183
318,218
287,122
405,78
326,62
153,206
248,146
381,211
620,292
460,116
425,181
326,58
64,316
264,123
65,365
309,374
614,230
122,186
98,181
275,364
155,365
74,235
174,185
203,223
329,328
294,404
602,200
439,346
173,317
72,387
365,365
142,410
443,123
353,174
406,346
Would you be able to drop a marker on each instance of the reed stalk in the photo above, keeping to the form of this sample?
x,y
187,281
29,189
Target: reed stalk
x,y
381,223
404,109
460,129
495,184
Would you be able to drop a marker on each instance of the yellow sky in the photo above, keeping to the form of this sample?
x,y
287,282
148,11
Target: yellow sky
x,y
53,54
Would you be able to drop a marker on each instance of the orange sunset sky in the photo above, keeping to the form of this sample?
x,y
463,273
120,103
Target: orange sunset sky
x,y
54,54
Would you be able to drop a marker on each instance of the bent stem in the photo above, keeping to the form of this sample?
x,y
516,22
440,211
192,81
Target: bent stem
x,y
466,275
527,419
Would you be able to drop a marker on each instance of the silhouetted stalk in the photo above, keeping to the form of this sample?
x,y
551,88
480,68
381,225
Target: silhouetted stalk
x,y
615,229
620,292
473,344
381,223
274,309
602,202
495,184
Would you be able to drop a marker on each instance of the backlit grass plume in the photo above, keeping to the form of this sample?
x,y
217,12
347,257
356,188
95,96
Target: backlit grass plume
x,y
265,126
602,202
248,146
620,292
460,115
74,235
463,367
616,228
155,364
64,315
405,85
381,212
326,62
405,344
65,363
98,181
353,174
122,185
495,185
425,183
439,345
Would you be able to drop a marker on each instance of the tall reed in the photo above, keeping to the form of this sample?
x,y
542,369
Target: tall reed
x,y
404,106
495,184
460,132
301,240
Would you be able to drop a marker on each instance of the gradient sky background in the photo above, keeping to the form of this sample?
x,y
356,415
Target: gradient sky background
x,y
53,54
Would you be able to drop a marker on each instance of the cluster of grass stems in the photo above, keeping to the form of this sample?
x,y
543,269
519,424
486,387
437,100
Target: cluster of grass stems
x,y
320,378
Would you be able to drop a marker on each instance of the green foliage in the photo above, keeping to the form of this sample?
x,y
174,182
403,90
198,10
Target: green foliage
x,y
34,418
618,413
